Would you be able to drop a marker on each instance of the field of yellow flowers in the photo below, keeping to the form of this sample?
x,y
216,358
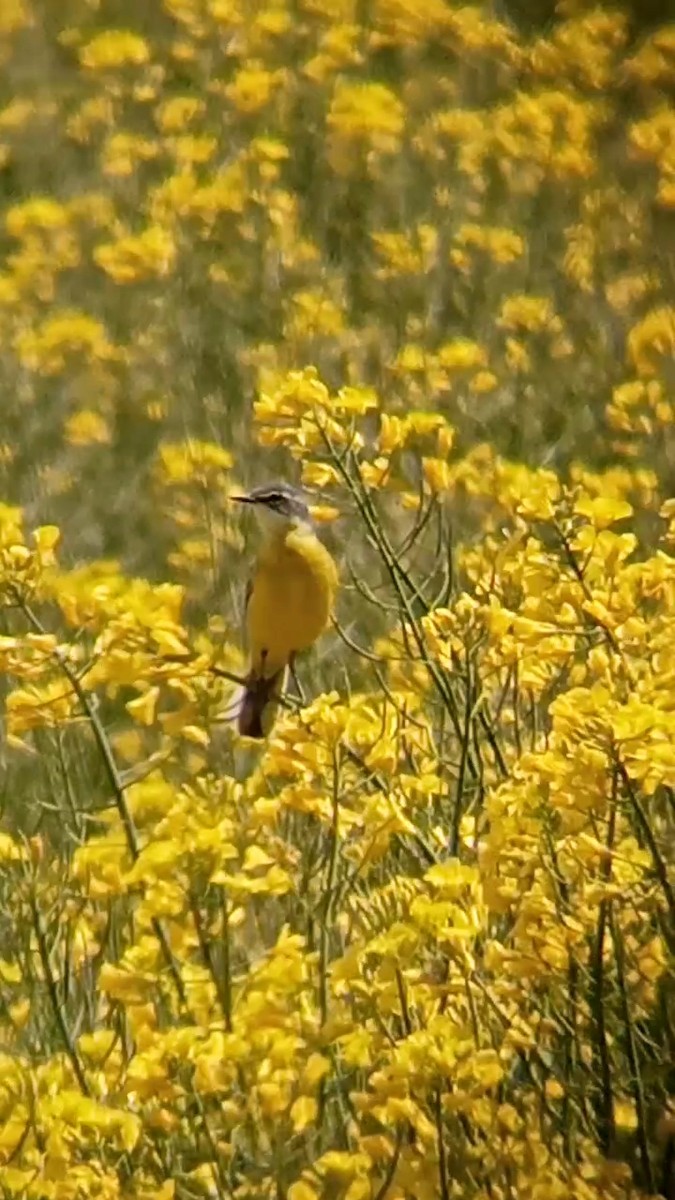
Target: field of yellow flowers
x,y
420,944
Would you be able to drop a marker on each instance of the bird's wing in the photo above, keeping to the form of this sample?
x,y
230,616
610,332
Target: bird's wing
x,y
247,597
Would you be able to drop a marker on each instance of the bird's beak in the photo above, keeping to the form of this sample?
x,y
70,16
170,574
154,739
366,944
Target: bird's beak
x,y
242,499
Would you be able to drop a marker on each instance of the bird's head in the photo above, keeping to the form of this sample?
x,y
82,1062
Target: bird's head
x,y
277,505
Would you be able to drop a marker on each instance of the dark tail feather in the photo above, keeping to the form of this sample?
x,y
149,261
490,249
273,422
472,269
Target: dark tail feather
x,y
259,693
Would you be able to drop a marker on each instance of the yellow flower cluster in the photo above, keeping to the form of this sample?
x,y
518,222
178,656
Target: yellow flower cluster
x,y
419,943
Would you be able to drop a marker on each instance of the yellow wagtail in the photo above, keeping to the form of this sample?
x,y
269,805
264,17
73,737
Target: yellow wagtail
x,y
289,600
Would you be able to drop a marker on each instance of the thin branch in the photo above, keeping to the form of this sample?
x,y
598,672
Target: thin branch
x,y
604,1105
391,1167
633,1058
53,992
360,650
444,1188
648,835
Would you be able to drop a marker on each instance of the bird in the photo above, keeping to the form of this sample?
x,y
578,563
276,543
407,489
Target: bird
x,y
289,600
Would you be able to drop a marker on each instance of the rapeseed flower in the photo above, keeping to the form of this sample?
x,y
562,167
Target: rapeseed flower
x,y
363,117
48,347
114,48
137,256
412,945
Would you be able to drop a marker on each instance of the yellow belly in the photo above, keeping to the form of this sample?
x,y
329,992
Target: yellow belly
x,y
291,599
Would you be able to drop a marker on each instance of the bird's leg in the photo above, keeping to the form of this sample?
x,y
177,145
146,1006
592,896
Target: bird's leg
x,y
294,675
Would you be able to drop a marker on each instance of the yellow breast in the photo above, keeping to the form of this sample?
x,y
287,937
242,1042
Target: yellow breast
x,y
291,598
